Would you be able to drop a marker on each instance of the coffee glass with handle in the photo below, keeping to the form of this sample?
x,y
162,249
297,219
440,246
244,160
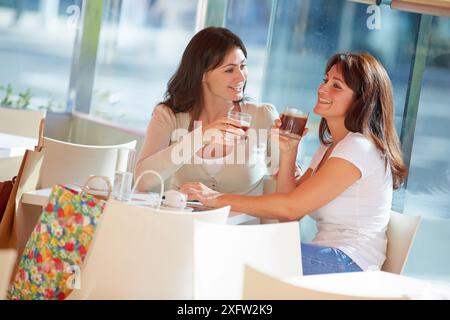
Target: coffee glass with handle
x,y
293,122
245,119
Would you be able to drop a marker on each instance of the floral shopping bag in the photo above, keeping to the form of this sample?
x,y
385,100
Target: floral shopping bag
x,y
57,246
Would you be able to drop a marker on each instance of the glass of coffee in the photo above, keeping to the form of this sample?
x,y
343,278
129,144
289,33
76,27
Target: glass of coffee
x,y
293,122
245,120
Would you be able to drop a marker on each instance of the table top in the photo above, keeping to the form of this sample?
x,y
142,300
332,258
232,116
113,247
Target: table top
x,y
374,284
40,198
14,145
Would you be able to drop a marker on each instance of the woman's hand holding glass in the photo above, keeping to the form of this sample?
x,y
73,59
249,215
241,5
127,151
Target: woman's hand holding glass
x,y
222,130
287,145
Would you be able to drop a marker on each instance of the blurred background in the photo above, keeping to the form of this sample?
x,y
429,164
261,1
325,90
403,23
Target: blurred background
x,y
105,64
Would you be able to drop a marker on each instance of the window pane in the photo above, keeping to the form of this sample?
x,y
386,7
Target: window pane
x,y
306,33
141,44
428,186
29,58
249,19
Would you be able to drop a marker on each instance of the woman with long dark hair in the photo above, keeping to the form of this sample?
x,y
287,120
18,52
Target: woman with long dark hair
x,y
348,186
210,82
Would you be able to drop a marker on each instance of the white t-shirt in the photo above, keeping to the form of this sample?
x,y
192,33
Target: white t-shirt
x,y
356,221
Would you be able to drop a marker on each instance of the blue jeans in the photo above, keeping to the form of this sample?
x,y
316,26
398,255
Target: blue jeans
x,y
318,259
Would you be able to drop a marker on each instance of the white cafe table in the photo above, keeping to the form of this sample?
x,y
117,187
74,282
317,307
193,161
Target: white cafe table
x,y
40,198
13,145
374,284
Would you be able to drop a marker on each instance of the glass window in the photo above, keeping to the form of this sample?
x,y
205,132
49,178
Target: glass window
x,y
306,33
250,19
141,43
428,188
36,48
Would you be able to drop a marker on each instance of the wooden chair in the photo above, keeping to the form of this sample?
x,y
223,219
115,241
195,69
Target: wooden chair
x,y
66,162
21,122
221,251
402,229
60,162
259,285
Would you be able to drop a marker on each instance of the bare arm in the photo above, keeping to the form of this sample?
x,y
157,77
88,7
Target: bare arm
x,y
286,173
304,177
314,192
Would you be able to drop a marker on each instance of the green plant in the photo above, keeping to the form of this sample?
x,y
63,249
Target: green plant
x,y
52,105
24,99
21,102
7,100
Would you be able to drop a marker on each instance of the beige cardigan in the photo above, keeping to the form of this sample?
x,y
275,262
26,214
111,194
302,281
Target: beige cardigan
x,y
161,144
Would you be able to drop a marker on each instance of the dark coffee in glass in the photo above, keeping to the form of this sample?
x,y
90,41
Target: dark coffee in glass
x,y
293,122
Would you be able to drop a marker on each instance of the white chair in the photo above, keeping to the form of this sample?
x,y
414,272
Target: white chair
x,y
221,251
9,167
63,163
67,163
259,285
142,253
401,231
21,122
7,260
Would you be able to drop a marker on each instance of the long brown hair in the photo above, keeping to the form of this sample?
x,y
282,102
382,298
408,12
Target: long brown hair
x,y
205,52
372,112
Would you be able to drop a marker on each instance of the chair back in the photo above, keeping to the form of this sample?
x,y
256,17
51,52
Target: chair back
x,y
7,260
259,285
142,253
66,163
21,122
401,232
221,251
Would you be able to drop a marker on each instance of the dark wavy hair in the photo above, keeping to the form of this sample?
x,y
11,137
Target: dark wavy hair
x,y
372,111
205,52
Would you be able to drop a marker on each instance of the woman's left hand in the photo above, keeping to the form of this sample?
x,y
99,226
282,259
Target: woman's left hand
x,y
198,191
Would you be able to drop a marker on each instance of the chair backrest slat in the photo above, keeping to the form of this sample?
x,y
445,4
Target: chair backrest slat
x,y
221,251
66,163
21,122
402,229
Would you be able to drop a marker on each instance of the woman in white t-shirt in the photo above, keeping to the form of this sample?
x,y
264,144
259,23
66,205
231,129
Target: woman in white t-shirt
x,y
348,187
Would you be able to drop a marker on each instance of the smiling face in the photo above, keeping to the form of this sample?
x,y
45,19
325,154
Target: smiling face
x,y
228,79
334,97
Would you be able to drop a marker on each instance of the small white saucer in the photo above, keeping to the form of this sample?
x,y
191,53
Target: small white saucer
x,y
176,209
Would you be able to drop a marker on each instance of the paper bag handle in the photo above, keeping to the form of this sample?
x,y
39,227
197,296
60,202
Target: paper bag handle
x,y
86,189
161,180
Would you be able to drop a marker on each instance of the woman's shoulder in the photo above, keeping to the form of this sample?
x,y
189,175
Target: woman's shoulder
x,y
358,143
265,112
163,112
252,106
358,139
